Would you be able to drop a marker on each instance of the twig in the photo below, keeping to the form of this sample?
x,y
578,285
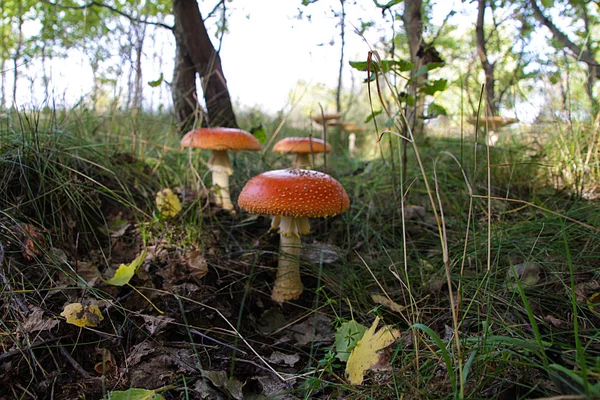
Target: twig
x,y
111,8
196,332
11,353
74,363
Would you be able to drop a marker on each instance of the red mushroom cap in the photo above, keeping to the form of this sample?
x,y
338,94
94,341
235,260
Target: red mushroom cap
x,y
294,193
302,145
220,139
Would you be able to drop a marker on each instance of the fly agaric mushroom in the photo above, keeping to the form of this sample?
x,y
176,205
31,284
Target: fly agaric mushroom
x,y
220,140
291,196
302,147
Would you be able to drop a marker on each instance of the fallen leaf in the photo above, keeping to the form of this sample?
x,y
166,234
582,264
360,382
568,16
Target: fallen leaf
x,y
126,271
222,380
554,321
134,394
88,272
527,273
278,357
346,337
155,324
315,329
318,253
365,355
36,322
593,302
414,212
196,264
79,315
384,301
33,241
168,203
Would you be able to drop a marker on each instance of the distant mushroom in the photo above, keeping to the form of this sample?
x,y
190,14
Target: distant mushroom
x,y
302,147
323,119
291,196
219,141
352,129
492,123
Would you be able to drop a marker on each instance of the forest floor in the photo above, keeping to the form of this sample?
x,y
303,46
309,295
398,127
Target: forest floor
x,y
489,288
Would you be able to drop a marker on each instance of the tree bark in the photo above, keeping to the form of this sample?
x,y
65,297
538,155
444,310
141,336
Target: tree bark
x,y
338,94
488,68
193,41
413,25
183,90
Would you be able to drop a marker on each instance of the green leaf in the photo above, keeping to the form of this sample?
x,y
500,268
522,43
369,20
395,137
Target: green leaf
x,y
433,87
428,67
259,133
156,82
372,115
125,272
134,394
346,337
386,65
435,110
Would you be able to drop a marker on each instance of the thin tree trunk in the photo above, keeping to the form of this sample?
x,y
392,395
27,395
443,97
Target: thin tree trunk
x,y
338,94
413,26
140,32
488,68
192,39
183,90
17,55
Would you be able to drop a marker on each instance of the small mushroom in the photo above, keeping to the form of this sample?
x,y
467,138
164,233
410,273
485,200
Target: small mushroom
x,y
323,119
291,196
302,147
219,141
492,124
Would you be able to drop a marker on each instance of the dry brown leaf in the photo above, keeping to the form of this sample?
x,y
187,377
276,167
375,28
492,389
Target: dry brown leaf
x,y
196,263
384,301
277,357
33,241
156,324
36,322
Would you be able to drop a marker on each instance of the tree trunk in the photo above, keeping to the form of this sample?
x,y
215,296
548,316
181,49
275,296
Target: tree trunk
x,y
338,94
413,25
193,41
488,68
183,90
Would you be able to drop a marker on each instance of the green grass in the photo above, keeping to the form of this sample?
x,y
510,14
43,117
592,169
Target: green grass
x,y
74,177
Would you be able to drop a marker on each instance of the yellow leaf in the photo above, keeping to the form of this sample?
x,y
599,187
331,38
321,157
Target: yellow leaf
x,y
125,272
79,315
168,203
365,355
593,302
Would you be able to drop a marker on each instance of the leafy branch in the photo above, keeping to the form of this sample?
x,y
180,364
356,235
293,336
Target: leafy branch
x,y
115,10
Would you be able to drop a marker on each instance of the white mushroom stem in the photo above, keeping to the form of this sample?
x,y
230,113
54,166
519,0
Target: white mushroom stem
x,y
221,170
302,160
288,284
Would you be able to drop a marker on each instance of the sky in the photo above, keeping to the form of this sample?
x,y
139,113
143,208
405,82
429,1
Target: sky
x,y
265,53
